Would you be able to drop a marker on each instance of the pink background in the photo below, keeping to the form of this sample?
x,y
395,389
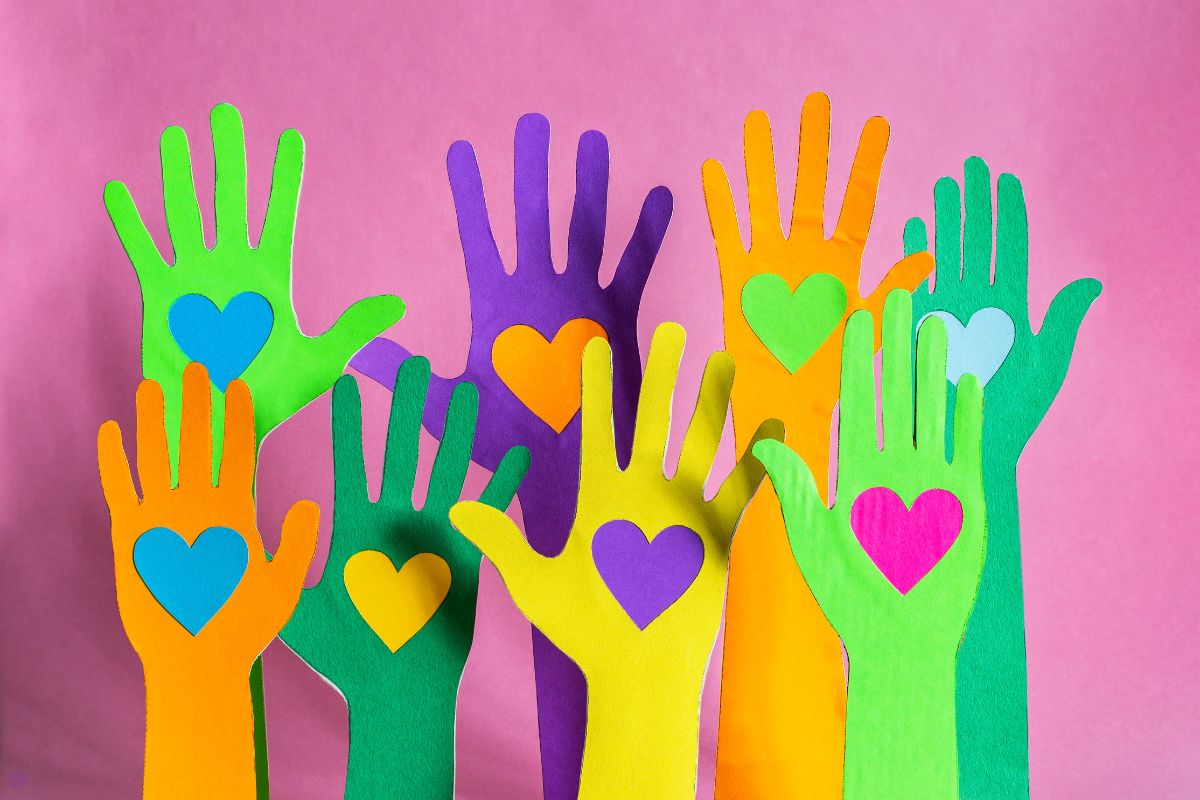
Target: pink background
x,y
1094,108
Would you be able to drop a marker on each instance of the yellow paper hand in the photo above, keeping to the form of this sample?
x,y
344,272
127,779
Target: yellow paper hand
x,y
638,615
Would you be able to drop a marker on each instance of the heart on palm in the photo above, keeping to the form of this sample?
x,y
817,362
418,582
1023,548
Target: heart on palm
x,y
224,341
545,375
193,582
792,325
646,576
396,604
979,347
905,543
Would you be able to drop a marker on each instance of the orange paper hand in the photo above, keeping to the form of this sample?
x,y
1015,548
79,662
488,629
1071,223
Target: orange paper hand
x,y
786,302
197,607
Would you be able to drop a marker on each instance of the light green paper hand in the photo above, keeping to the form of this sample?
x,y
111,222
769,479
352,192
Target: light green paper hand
x,y
291,369
993,716
900,730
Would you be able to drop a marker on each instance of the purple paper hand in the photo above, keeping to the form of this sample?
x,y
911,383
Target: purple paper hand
x,y
537,296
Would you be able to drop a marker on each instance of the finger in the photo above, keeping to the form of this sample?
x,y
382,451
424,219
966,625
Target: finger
x,y
229,155
297,545
454,454
968,424
790,475
947,212
931,386
238,446
179,193
746,477
897,389
153,458
812,168
1065,316
597,446
977,222
585,241
195,429
703,435
722,215
652,429
761,182
359,324
858,207
906,275
507,478
498,538
279,224
633,270
1012,243
115,478
349,469
856,420
916,239
136,240
531,193
470,206
409,393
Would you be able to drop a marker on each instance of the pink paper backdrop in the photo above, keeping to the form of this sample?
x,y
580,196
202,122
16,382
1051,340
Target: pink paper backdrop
x,y
1095,108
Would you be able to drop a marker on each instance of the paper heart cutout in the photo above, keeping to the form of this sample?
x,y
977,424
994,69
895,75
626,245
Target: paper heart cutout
x,y
396,604
225,342
792,325
191,583
646,577
979,347
545,375
904,543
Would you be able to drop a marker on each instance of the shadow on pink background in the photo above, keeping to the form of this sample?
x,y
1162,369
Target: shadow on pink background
x,y
1094,108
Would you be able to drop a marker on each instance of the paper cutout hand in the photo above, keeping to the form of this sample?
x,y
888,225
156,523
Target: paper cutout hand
x,y
402,702
644,681
993,721
199,721
537,296
782,717
286,370
900,740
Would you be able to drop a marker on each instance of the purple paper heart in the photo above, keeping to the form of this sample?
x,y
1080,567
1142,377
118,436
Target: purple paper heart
x,y
646,576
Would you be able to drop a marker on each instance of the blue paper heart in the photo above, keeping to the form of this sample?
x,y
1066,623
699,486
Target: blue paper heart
x,y
225,342
979,347
191,583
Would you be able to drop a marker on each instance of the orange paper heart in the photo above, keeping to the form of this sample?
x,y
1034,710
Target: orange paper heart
x,y
545,375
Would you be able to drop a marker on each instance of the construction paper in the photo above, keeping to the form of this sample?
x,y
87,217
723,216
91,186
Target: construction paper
x,y
993,713
901,646
535,294
198,596
400,695
292,369
905,543
191,582
782,721
792,325
224,341
544,375
646,575
396,603
980,346
643,682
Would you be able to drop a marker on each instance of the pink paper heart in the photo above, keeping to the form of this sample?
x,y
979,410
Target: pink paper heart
x,y
904,543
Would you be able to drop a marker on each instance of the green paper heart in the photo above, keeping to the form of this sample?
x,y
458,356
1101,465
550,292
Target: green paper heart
x,y
792,325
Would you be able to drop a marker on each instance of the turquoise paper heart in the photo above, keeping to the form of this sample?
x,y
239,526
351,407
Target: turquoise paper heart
x,y
191,583
225,342
979,347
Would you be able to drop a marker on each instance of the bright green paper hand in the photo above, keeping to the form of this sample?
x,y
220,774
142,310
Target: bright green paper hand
x,y
993,717
401,702
900,740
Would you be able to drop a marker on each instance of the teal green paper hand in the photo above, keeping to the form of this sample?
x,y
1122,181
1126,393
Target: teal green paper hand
x,y
901,629
393,637
993,727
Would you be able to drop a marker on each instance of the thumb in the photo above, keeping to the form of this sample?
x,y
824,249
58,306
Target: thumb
x,y
288,568
1056,339
798,498
380,360
497,537
359,323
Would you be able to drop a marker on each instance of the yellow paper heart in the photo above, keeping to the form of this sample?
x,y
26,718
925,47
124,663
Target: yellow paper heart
x,y
544,375
396,603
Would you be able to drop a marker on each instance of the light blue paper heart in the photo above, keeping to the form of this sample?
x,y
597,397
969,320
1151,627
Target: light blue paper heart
x,y
225,342
980,347
191,583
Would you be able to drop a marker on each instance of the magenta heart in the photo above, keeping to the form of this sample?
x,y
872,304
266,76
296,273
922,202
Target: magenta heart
x,y
646,577
906,543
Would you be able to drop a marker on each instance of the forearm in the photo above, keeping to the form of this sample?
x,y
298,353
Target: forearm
x,y
199,734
